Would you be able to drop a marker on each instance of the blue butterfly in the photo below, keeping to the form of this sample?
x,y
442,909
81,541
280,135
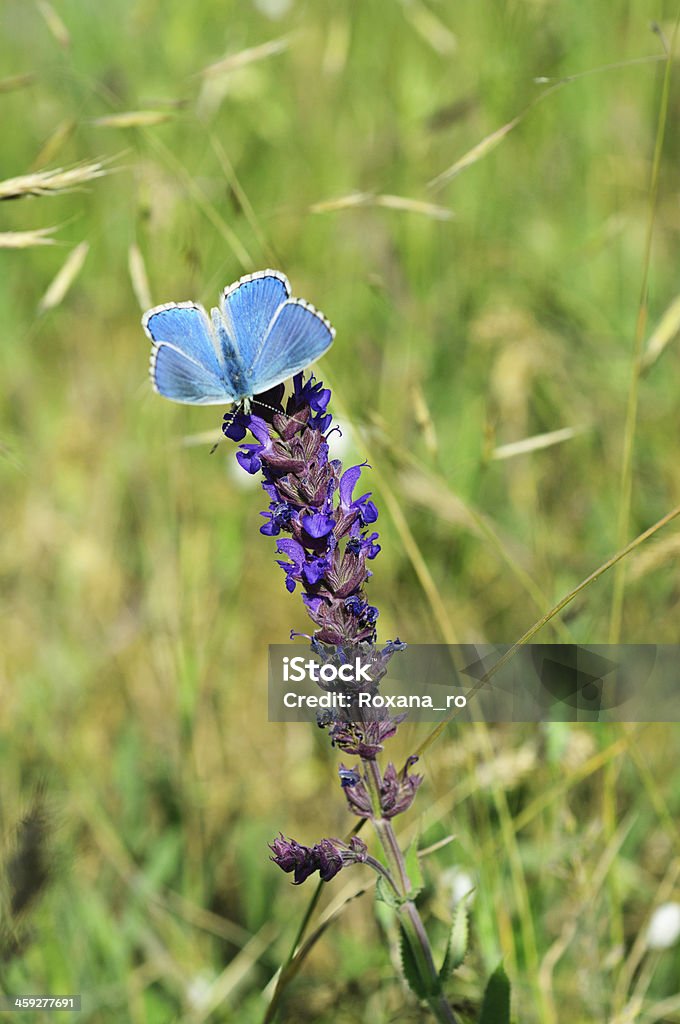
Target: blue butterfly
x,y
257,338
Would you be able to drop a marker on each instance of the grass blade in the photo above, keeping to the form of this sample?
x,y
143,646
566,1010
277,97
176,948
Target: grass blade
x,y
431,28
134,119
390,202
64,278
535,443
139,277
473,155
666,331
26,239
54,23
54,142
245,57
13,82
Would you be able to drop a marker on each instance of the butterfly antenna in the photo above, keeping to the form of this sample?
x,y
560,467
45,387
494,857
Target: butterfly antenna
x,y
279,412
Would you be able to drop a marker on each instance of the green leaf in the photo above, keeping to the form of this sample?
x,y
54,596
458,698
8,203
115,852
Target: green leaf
x,y
457,946
384,893
496,1005
413,870
409,966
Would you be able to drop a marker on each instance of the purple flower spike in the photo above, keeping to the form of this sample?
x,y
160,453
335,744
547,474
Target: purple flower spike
x,y
312,500
323,539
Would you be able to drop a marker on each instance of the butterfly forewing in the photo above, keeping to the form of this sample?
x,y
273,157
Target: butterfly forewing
x,y
248,308
186,326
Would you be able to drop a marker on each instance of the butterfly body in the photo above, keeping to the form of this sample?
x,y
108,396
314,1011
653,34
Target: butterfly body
x,y
257,338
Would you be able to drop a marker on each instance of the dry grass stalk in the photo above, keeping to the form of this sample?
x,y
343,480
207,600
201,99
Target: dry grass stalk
x,y
64,278
134,119
139,277
49,183
26,239
402,203
245,57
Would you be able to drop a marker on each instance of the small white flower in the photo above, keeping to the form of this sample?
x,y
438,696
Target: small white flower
x,y
273,9
459,883
199,990
664,927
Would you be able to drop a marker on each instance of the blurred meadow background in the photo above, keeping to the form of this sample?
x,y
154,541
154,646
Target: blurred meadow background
x,y
483,296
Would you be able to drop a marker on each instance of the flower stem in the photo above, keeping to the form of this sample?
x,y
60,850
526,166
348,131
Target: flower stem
x,y
409,917
383,872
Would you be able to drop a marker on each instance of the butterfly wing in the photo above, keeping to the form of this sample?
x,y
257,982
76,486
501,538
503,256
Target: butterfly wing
x,y
249,306
186,326
181,379
184,363
297,336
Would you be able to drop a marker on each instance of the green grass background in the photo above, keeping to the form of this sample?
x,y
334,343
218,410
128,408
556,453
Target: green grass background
x,y
138,597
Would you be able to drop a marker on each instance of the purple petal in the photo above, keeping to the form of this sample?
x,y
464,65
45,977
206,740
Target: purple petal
x,y
234,427
317,525
369,512
315,570
294,550
248,459
260,429
312,603
348,482
321,400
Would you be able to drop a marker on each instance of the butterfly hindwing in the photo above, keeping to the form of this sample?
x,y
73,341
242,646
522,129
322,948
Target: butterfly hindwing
x,y
297,336
176,376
